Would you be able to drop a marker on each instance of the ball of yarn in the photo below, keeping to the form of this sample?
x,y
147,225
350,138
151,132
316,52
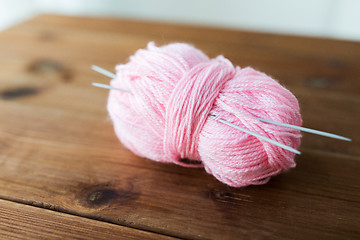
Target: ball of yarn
x,y
176,87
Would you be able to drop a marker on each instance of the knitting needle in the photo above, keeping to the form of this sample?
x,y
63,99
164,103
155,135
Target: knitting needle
x,y
313,131
106,73
109,87
103,71
256,135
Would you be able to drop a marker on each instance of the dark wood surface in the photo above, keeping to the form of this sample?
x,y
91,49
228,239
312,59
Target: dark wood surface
x,y
63,173
21,221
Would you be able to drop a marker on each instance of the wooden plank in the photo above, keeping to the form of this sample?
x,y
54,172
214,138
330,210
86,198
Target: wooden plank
x,y
19,221
59,151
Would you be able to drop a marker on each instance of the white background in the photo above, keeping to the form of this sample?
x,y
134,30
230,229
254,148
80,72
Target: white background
x,y
327,18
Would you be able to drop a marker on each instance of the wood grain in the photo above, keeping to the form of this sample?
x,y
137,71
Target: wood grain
x,y
58,150
19,221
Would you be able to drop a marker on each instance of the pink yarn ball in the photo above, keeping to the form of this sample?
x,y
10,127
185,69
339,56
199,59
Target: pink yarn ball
x,y
165,118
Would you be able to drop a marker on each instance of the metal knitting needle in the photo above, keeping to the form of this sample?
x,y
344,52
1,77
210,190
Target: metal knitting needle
x,y
309,130
106,73
109,87
103,71
256,135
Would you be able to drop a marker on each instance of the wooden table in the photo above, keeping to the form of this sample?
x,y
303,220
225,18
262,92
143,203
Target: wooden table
x,y
64,174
